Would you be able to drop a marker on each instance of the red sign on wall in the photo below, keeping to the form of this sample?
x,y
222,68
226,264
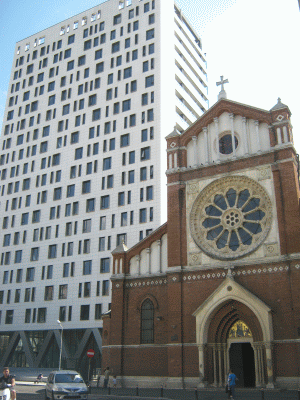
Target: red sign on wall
x,y
90,353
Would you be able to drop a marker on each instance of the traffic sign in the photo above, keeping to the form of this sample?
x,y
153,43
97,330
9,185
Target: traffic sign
x,y
90,353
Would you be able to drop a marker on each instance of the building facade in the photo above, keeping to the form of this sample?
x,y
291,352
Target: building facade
x,y
217,286
81,161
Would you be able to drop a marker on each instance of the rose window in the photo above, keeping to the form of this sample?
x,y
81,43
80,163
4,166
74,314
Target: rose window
x,y
231,217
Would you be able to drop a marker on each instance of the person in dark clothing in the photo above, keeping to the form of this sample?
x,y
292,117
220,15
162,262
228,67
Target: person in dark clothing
x,y
9,380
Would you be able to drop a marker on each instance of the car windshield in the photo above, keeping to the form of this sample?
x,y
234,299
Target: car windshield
x,y
68,378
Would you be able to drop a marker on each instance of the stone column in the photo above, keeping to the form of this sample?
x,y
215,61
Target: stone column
x,y
285,135
256,123
195,151
201,350
206,147
245,136
257,375
215,365
175,160
269,361
216,121
138,260
159,255
170,162
231,116
279,140
148,260
225,363
219,346
261,364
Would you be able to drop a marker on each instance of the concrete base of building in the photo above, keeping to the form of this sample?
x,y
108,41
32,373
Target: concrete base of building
x,y
292,382
157,382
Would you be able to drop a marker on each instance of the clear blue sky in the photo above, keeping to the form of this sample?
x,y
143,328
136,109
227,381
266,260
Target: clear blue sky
x,y
255,44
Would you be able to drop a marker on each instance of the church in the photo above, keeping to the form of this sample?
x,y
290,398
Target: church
x,y
217,286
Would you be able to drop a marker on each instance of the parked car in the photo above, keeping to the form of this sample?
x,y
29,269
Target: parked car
x,y
65,385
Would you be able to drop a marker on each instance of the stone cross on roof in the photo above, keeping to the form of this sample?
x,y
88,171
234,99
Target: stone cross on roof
x,y
222,94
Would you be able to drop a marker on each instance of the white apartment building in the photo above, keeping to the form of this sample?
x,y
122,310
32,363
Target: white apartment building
x,y
82,166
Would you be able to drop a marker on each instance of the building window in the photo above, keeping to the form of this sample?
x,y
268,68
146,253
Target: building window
x,y
63,292
86,225
104,265
30,274
149,81
104,202
84,312
48,293
90,205
124,140
62,313
41,318
105,288
145,153
147,322
150,34
34,256
87,267
52,251
9,316
98,311
143,215
70,190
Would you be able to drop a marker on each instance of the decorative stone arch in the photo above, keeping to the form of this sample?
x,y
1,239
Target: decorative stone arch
x,y
230,290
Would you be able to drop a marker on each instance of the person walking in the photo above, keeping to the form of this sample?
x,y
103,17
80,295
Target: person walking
x,y
231,385
106,377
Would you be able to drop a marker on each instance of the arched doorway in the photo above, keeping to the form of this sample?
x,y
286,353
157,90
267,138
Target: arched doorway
x,y
241,354
227,305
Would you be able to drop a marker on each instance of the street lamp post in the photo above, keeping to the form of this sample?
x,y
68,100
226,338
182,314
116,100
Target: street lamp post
x,y
61,335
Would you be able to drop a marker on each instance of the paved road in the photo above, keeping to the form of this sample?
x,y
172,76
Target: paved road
x,y
36,392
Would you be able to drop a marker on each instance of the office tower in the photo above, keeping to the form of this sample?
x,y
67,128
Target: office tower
x,y
90,101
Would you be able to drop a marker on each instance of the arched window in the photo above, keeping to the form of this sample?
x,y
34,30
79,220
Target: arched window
x,y
147,322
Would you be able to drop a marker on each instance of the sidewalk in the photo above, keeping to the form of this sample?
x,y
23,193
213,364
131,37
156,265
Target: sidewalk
x,y
30,383
189,394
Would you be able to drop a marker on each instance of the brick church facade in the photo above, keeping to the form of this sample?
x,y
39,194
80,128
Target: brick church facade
x,y
216,286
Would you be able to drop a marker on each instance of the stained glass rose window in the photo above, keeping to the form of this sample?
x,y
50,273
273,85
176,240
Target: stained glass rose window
x,y
231,217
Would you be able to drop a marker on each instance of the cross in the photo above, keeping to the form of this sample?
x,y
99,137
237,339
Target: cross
x,y
222,82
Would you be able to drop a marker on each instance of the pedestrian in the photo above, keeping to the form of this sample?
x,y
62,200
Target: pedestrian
x,y
10,381
231,385
114,381
106,377
39,378
99,378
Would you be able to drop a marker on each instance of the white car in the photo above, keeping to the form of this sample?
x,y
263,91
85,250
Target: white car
x,y
65,385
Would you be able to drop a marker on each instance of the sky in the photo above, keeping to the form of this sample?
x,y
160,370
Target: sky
x,y
254,44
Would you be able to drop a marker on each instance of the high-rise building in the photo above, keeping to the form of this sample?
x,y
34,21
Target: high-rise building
x,y
82,166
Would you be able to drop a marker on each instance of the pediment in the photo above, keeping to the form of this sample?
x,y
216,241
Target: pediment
x,y
224,106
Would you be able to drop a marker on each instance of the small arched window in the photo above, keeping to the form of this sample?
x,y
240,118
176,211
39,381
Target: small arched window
x,y
147,322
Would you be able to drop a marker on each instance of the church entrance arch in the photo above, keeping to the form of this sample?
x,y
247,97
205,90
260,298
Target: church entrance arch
x,y
241,354
222,339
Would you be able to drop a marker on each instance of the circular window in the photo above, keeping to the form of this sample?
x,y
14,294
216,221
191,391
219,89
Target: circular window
x,y
225,144
231,217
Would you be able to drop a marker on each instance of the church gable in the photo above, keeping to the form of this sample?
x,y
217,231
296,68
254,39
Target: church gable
x,y
214,143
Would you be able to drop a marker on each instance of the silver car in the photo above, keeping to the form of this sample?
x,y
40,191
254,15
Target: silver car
x,y
65,385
